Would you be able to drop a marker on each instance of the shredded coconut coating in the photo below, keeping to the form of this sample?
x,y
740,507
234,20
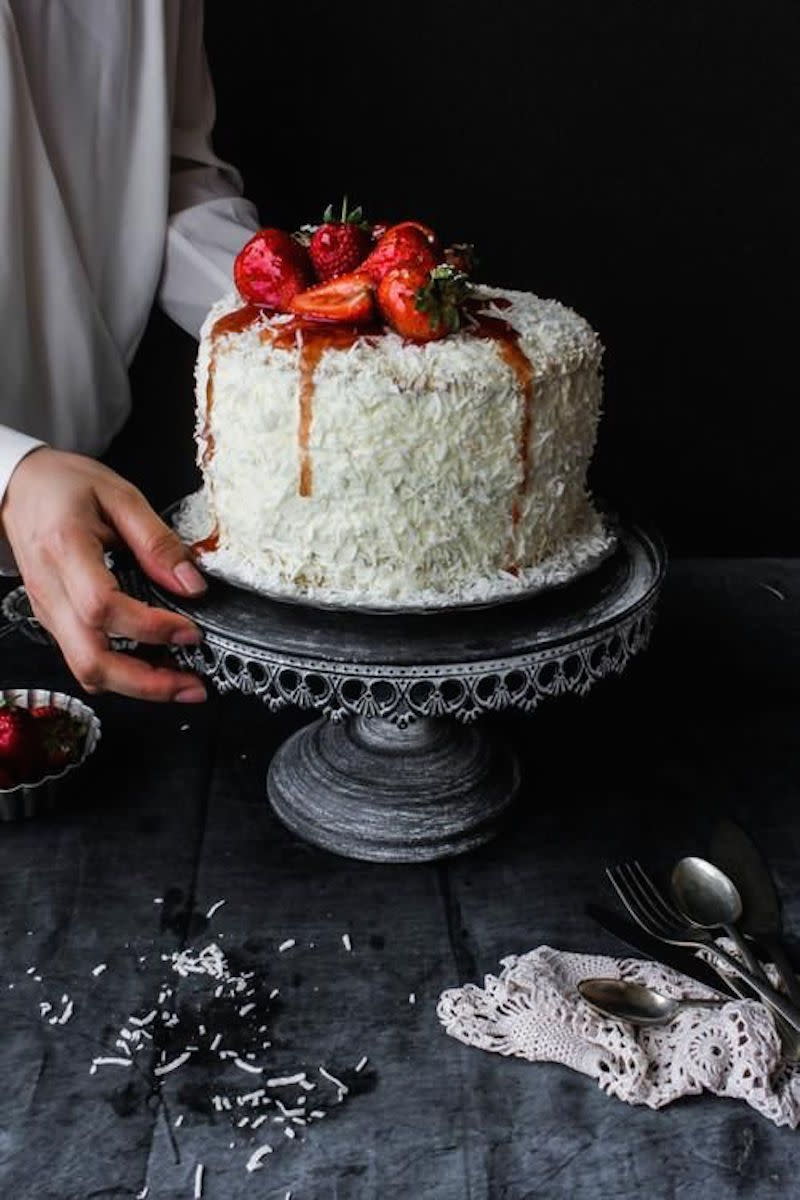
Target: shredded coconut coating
x,y
416,460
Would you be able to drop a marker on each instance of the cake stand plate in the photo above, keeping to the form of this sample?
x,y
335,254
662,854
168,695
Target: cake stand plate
x,y
395,770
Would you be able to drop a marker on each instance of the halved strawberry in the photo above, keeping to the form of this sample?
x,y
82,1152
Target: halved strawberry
x,y
406,245
348,298
420,305
337,247
17,743
272,268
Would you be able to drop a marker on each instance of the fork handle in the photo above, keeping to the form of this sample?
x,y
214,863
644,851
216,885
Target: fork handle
x,y
764,990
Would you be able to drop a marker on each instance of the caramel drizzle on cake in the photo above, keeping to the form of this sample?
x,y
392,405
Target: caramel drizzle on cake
x,y
314,338
507,340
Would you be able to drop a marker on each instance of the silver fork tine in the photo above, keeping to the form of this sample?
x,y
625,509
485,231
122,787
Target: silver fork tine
x,y
670,915
656,921
619,882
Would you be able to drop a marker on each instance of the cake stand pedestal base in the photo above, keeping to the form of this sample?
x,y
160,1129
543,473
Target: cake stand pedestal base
x,y
397,770
366,788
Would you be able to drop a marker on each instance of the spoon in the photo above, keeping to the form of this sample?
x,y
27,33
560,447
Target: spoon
x,y
708,898
636,1003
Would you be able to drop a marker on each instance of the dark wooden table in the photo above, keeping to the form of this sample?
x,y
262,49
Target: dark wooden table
x,y
173,807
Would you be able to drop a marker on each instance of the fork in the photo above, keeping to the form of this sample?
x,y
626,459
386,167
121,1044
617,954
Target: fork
x,y
656,916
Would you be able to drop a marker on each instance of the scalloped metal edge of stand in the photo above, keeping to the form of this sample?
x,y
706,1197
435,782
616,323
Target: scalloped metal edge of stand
x,y
463,691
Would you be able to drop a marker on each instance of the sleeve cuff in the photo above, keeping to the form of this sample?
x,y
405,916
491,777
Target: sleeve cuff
x,y
14,446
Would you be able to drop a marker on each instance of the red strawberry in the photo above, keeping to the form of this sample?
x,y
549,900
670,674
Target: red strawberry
x,y
348,298
405,245
337,247
423,305
17,745
271,269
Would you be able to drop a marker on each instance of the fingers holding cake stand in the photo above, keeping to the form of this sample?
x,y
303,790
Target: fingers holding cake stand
x,y
397,768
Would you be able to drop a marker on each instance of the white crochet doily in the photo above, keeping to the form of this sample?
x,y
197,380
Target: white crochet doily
x,y
533,1010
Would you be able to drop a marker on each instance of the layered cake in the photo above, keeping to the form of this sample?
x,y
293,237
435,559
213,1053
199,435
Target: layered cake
x,y
393,437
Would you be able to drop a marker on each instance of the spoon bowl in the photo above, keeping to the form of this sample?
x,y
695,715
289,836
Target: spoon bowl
x,y
623,1000
705,894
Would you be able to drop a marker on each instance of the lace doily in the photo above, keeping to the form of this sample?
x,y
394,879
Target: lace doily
x,y
533,1010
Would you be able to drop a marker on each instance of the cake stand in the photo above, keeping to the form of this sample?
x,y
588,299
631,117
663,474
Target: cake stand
x,y
396,769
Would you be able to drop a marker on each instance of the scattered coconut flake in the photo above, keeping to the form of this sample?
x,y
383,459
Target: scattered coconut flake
x,y
286,1080
290,1133
318,1113
98,970
288,1112
184,727
255,1159
151,1016
66,1014
275,992
158,900
214,908
412,997
362,1062
198,1181
173,1065
343,1088
259,1121
179,1121
245,1009
246,1066
287,945
216,1041
30,970
44,1008
348,945
142,1195
111,1062
769,588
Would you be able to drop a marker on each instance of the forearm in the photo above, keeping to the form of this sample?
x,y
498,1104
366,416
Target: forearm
x,y
14,446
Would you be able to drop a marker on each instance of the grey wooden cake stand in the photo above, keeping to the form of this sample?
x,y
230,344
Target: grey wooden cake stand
x,y
396,769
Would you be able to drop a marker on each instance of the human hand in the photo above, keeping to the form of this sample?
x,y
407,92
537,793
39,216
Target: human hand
x,y
60,513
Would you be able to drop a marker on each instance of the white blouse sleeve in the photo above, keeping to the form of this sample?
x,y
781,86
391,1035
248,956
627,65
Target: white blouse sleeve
x,y
209,219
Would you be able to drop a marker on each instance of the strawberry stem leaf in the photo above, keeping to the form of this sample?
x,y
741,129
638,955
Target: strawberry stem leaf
x,y
442,298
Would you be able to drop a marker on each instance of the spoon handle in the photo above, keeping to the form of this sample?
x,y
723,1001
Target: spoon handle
x,y
764,990
748,957
779,957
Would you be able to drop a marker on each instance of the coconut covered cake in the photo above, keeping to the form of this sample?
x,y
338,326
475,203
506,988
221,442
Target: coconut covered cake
x,y
390,434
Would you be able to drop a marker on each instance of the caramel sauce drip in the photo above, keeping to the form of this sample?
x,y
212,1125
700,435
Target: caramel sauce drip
x,y
313,338
506,338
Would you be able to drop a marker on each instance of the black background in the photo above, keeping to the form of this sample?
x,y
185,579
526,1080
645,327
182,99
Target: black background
x,y
637,160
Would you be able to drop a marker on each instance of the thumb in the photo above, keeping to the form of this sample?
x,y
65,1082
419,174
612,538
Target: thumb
x,y
157,548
